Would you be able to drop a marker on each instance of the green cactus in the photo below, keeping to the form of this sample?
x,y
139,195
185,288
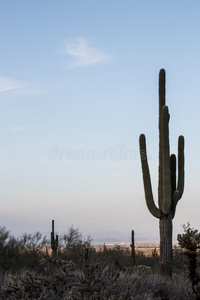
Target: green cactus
x,y
132,248
54,241
169,191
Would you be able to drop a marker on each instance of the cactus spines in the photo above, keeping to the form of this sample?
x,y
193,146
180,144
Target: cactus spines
x,y
132,248
170,189
54,241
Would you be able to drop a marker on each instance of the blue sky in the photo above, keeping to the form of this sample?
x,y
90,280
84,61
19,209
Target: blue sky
x,y
78,84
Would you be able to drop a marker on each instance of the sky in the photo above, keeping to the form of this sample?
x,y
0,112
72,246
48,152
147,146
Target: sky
x,y
78,85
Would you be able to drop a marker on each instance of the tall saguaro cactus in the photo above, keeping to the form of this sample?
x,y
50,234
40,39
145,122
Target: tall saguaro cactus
x,y
54,241
170,189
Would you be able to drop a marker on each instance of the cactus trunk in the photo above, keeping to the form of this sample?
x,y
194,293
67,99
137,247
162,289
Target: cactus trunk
x,y
166,255
170,189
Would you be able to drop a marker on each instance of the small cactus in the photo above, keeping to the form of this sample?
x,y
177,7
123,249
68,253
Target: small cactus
x,y
54,241
132,248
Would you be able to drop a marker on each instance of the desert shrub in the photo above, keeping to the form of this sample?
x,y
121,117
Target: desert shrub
x,y
118,256
190,242
53,284
27,250
9,250
180,264
32,246
23,252
75,247
142,259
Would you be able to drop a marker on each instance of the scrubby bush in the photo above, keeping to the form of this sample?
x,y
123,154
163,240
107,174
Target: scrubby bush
x,y
118,256
190,242
24,252
9,250
75,247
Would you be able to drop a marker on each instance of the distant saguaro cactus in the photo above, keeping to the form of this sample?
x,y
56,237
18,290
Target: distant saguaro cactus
x,y
132,247
54,241
169,191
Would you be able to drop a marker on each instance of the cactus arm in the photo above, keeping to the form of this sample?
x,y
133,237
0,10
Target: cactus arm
x,y
173,173
167,202
180,186
161,104
147,180
175,199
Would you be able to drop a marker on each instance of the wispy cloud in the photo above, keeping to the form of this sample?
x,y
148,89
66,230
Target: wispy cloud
x,y
84,54
24,89
7,84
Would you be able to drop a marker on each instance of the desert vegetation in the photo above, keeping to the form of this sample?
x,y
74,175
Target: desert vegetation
x,y
31,270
